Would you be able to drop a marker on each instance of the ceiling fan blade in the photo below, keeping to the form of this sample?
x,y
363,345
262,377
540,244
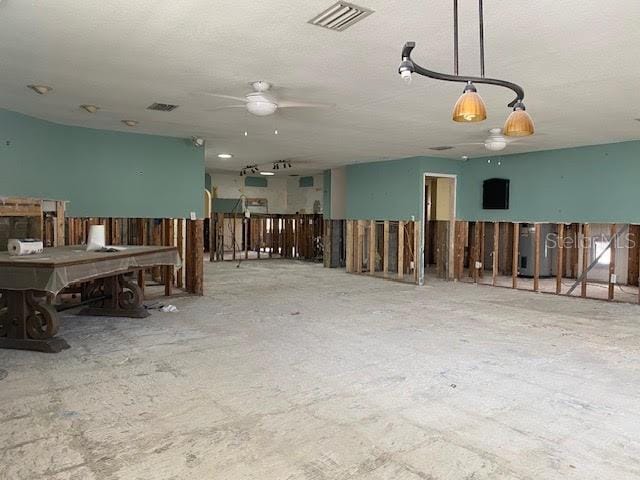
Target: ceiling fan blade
x,y
219,95
225,107
292,104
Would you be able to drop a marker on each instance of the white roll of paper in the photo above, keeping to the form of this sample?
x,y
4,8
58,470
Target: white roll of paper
x,y
26,246
97,238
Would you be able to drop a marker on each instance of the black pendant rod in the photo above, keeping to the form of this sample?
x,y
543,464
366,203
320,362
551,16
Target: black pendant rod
x,y
481,28
406,57
455,36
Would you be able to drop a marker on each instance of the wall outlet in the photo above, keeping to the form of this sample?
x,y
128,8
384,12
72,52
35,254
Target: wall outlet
x,y
613,278
413,218
478,265
192,215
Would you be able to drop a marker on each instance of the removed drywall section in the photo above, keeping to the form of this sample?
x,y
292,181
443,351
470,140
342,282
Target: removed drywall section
x,y
101,173
596,184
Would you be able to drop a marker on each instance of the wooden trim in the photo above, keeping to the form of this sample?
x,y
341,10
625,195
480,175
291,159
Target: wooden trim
x,y
349,247
416,252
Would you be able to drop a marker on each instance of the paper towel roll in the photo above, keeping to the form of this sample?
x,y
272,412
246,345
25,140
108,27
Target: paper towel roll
x,y
27,246
97,238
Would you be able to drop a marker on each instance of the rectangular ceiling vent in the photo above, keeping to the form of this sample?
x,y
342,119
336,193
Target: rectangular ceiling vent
x,y
162,107
439,149
340,16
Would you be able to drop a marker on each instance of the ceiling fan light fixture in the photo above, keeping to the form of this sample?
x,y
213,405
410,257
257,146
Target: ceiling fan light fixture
x,y
262,109
519,123
495,145
470,107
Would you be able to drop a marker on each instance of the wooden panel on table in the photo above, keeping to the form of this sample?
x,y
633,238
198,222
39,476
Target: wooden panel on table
x,y
60,230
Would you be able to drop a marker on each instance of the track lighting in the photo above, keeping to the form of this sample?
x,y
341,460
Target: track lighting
x,y
130,123
198,142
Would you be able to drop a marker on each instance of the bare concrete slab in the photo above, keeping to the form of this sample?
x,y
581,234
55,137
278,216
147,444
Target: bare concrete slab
x,y
289,371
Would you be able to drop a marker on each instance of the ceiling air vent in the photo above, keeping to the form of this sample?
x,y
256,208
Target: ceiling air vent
x,y
340,16
162,107
439,149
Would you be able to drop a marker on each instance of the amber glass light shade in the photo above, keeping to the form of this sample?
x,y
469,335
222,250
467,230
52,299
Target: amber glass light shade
x,y
469,107
519,123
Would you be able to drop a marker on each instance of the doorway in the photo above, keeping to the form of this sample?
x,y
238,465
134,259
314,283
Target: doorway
x,y
439,221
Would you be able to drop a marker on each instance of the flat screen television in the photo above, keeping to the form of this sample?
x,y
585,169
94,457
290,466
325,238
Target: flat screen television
x,y
495,194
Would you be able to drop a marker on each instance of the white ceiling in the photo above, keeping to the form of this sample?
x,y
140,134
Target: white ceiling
x,y
576,59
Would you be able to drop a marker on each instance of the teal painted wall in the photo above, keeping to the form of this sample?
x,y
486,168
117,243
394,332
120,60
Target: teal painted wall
x,y
596,184
392,190
326,194
101,173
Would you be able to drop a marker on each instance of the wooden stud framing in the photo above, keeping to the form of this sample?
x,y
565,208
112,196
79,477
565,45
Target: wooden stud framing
x,y
612,263
180,239
559,257
385,247
401,249
372,247
515,255
586,242
536,258
495,254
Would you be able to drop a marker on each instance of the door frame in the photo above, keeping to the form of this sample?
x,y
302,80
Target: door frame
x,y
452,234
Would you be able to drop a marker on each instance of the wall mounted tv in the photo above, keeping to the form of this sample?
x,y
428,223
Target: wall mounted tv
x,y
495,194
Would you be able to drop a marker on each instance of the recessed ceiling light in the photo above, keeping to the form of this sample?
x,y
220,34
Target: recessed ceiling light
x,y
225,155
40,89
267,173
90,108
130,123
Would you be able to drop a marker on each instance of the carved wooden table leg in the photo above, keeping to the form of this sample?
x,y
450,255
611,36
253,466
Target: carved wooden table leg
x,y
124,298
27,322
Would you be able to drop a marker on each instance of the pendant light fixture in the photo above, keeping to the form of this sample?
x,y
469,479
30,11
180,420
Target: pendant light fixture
x,y
470,107
519,123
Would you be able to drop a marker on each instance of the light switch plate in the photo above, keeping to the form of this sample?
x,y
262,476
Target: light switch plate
x,y
193,216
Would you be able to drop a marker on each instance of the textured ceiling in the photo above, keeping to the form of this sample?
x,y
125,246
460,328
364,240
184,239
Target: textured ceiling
x,y
576,59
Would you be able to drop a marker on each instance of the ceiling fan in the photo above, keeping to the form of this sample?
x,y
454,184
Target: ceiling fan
x,y
495,141
262,103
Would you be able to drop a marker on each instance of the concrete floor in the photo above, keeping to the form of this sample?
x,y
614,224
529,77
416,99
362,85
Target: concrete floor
x,y
289,371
